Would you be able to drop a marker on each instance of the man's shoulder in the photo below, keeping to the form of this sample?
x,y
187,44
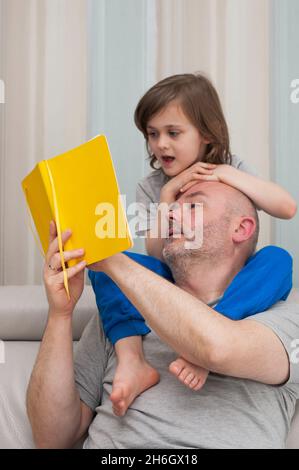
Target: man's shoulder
x,y
279,314
289,306
283,319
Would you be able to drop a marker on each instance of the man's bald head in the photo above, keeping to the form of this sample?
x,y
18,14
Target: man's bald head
x,y
231,204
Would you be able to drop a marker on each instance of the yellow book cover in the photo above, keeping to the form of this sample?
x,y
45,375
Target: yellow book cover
x,y
84,185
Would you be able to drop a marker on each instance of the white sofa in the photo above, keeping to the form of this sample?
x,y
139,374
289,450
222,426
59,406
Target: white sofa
x,y
23,313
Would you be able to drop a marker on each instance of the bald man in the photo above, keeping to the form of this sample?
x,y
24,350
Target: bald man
x,y
249,398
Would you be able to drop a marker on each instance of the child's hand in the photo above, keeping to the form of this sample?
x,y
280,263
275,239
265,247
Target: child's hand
x,y
200,171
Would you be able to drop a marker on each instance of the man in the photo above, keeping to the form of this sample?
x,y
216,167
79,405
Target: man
x,y
249,397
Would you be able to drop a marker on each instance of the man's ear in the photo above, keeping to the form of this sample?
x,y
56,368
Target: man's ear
x,y
244,229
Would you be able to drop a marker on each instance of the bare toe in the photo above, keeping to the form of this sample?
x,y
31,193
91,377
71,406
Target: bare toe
x,y
189,374
189,378
194,382
177,366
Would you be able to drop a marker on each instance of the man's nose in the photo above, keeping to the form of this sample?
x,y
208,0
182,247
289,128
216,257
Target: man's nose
x,y
175,212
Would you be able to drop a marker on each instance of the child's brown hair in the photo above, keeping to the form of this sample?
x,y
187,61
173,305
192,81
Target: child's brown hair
x,y
200,103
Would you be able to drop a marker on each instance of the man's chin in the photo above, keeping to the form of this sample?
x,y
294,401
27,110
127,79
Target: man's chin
x,y
173,246
177,258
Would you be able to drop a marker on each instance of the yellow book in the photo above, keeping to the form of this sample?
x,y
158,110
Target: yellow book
x,y
79,190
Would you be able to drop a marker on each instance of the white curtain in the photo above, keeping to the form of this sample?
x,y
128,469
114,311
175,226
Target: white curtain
x,y
122,66
73,69
43,65
285,116
56,84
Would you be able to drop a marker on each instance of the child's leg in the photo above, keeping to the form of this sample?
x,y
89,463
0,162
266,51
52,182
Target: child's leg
x,y
133,374
189,374
124,327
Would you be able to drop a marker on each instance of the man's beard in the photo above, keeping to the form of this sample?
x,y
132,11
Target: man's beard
x,y
214,250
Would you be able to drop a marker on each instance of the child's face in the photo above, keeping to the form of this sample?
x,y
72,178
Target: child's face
x,y
174,140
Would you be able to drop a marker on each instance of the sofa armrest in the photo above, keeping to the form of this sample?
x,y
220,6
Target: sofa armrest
x,y
24,311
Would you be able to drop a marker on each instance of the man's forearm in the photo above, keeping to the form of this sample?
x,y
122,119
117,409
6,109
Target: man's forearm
x,y
188,325
53,402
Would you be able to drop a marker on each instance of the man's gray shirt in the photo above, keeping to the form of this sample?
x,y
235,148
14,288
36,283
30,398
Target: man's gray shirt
x,y
226,413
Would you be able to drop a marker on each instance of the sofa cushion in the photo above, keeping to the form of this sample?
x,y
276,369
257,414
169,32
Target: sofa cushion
x,y
15,430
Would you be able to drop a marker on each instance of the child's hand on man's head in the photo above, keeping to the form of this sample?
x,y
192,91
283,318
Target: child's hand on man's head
x,y
199,171
222,173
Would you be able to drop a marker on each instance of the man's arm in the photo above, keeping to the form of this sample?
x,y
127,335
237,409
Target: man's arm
x,y
197,332
53,403
58,417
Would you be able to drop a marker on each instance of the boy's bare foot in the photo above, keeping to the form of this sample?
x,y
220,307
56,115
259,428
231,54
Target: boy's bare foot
x,y
189,374
130,380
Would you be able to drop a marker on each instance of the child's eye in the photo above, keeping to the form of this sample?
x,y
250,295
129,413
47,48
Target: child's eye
x,y
173,133
152,134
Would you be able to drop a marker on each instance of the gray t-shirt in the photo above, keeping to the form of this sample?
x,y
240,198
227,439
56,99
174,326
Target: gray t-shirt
x,y
226,413
148,194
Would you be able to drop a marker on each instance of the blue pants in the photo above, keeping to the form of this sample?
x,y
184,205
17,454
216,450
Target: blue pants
x,y
265,279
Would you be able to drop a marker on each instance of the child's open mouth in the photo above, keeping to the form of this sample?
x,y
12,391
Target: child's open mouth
x,y
167,160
